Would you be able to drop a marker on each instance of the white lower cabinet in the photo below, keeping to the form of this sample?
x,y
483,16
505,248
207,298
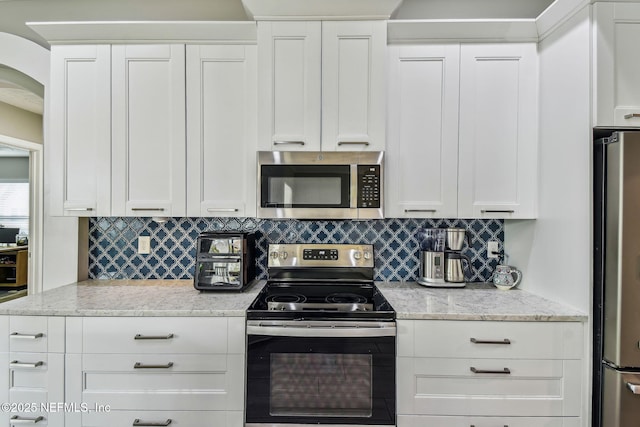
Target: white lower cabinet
x,y
35,371
422,421
156,371
486,373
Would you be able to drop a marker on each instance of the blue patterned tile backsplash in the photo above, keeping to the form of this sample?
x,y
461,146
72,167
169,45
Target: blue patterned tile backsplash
x,y
113,243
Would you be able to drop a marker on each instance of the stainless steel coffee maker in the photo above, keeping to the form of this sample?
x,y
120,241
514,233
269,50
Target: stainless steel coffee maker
x,y
441,258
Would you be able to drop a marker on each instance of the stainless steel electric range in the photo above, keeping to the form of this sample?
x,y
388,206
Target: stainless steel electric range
x,y
321,341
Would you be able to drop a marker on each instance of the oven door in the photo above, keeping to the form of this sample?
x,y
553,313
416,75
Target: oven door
x,y
323,372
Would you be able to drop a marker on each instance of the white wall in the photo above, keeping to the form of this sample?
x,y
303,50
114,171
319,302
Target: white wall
x,y
554,251
20,124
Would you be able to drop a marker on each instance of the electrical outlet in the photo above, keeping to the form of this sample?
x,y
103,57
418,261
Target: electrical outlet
x,y
144,245
492,249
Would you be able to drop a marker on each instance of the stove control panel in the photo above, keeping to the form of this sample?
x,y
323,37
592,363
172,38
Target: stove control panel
x,y
325,255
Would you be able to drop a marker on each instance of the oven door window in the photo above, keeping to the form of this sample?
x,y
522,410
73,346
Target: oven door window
x,y
305,186
320,380
321,385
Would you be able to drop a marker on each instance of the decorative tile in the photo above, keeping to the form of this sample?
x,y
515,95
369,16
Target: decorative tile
x,y
113,243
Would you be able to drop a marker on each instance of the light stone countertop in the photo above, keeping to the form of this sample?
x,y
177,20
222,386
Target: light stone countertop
x,y
133,298
179,298
476,301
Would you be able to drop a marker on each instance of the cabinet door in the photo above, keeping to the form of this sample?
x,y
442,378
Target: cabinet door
x,y
221,131
498,131
617,76
353,85
422,143
289,85
148,174
80,130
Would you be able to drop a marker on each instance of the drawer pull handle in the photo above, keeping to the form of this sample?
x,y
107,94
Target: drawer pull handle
x,y
352,143
23,420
288,142
78,209
631,116
420,210
222,209
27,336
497,211
635,388
139,365
490,371
473,425
505,341
153,337
137,422
16,364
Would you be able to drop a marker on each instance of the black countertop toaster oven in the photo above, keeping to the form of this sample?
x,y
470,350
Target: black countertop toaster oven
x,y
224,261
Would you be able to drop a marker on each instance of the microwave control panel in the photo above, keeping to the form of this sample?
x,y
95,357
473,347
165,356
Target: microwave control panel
x,y
368,186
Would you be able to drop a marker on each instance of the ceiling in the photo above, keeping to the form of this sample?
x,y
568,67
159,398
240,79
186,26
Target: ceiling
x,y
14,14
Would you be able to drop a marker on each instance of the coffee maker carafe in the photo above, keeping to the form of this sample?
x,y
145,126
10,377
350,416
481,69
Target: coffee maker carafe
x,y
441,258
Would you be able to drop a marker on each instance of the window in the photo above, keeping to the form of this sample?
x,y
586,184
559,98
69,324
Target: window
x,y
14,205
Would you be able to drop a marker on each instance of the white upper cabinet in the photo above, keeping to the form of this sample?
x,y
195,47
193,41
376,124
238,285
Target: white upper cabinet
x,y
221,130
498,131
80,131
289,85
353,85
148,130
617,64
422,144
321,85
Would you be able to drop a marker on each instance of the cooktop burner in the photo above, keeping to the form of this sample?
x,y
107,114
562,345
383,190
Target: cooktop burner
x,y
285,298
345,298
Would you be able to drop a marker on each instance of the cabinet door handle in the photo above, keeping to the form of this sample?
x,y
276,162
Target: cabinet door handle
x,y
222,209
148,209
288,142
353,143
27,336
510,211
137,422
473,425
420,210
635,388
505,341
24,420
631,116
139,365
78,209
153,337
16,364
490,371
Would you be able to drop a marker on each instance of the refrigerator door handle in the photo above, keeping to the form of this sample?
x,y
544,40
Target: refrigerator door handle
x,y
635,388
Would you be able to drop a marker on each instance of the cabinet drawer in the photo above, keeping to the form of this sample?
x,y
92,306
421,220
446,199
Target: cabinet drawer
x,y
158,418
489,339
489,387
218,335
36,377
422,421
36,334
163,381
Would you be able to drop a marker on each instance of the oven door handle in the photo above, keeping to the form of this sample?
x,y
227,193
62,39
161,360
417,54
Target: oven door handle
x,y
332,331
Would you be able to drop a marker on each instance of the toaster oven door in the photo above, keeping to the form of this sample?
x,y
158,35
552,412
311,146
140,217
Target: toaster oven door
x,y
219,272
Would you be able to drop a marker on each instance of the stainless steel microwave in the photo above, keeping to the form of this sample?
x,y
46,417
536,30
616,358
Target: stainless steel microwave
x,y
320,185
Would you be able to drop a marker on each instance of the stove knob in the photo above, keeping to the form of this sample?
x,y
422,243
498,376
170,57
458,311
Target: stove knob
x,y
274,255
357,255
367,255
283,255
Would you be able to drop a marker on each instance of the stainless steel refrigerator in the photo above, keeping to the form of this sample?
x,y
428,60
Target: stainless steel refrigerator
x,y
616,294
